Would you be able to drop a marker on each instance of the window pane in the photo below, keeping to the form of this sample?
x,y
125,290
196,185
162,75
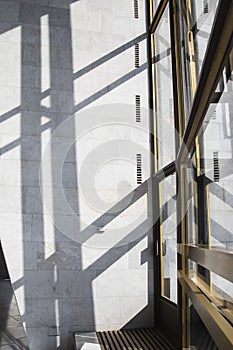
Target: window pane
x,y
191,190
199,337
214,190
216,141
168,238
164,92
196,21
155,4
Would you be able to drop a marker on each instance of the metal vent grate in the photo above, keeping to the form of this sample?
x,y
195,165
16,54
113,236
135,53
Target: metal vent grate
x,y
138,108
136,52
216,166
139,168
137,339
205,6
136,11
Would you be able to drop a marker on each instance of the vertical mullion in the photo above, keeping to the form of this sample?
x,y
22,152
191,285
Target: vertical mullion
x,y
178,97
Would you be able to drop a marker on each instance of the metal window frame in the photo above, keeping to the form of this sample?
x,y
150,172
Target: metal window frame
x,y
208,258
218,327
220,43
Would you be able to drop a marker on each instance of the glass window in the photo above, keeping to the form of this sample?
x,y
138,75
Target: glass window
x,y
155,4
168,238
164,108
216,155
197,20
199,337
214,191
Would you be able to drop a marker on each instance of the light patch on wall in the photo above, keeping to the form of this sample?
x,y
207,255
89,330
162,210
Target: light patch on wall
x,y
124,294
46,102
10,146
47,194
10,70
228,120
45,53
44,120
11,125
58,340
14,255
90,254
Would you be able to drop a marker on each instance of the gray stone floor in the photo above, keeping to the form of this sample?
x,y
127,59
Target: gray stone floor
x,y
12,334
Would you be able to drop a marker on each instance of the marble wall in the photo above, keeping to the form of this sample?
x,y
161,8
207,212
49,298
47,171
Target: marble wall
x,y
75,220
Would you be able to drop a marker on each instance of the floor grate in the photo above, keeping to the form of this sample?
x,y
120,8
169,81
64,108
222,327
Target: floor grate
x,y
133,339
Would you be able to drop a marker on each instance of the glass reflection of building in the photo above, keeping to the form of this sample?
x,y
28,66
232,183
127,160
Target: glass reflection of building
x,y
192,71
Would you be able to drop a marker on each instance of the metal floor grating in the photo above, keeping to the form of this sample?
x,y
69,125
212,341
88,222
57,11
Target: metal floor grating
x,y
133,339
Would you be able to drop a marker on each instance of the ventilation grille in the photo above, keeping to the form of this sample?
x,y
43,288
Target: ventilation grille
x,y
205,6
216,166
136,12
136,51
139,168
137,339
138,108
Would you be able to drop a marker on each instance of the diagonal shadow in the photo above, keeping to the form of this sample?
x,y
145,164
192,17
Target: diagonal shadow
x,y
114,211
110,55
221,193
110,87
119,250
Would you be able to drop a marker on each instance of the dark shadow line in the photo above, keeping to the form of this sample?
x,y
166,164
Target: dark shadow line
x,y
17,284
110,55
110,87
9,114
17,142
45,93
114,211
221,193
203,34
46,126
220,230
114,253
161,56
10,146
17,342
166,213
102,60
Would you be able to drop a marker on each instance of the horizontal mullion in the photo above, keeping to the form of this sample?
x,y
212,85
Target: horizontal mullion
x,y
219,43
218,327
219,262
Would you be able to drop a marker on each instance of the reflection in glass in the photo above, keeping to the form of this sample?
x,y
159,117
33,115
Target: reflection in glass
x,y
197,20
164,98
214,190
155,4
191,205
217,163
168,238
199,337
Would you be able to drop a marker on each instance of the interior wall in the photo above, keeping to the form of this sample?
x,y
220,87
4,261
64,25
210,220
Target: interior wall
x,y
76,222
